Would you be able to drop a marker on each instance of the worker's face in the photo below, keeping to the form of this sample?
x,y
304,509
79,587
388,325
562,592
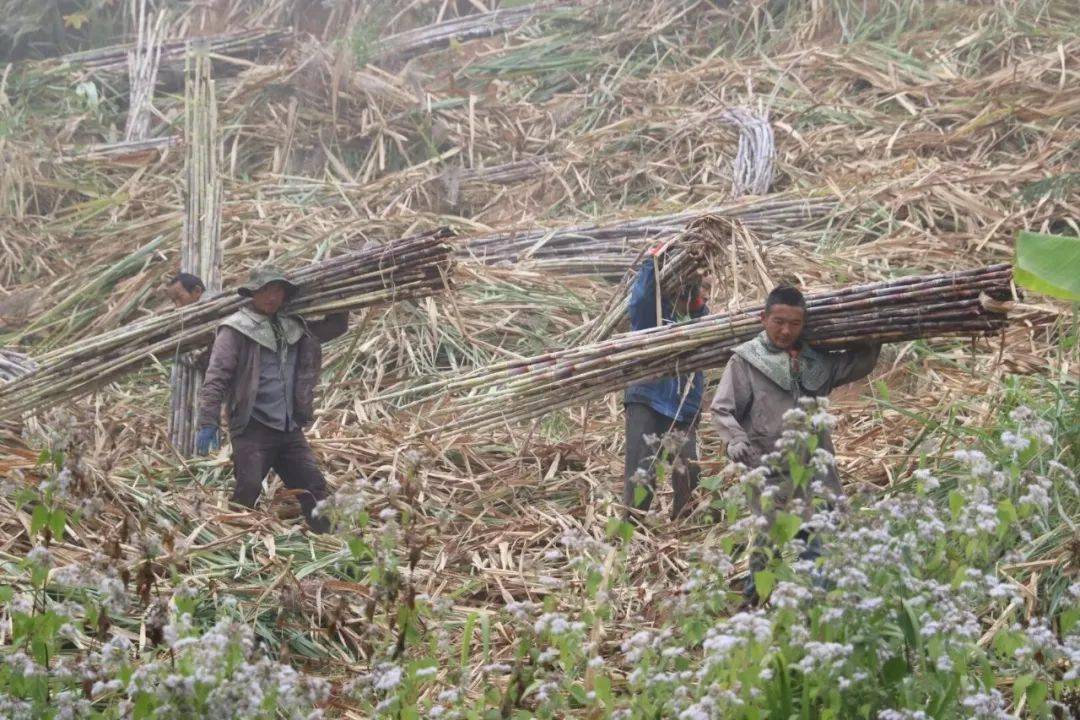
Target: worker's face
x,y
784,324
684,302
269,298
181,297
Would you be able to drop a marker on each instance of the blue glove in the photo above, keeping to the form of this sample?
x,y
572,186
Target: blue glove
x,y
208,439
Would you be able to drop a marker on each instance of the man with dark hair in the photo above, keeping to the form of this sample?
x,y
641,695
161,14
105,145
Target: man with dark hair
x,y
766,377
184,289
661,414
264,368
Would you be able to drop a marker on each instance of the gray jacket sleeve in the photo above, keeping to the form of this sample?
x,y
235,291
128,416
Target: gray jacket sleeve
x,y
854,364
219,376
731,402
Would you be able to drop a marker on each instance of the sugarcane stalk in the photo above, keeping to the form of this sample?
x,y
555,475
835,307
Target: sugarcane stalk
x,y
781,218
201,239
243,43
143,60
943,304
353,280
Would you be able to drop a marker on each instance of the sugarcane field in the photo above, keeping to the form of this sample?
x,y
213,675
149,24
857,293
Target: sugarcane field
x,y
504,359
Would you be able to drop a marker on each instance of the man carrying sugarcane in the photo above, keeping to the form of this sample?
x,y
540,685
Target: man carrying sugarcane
x,y
182,290
765,378
264,365
661,414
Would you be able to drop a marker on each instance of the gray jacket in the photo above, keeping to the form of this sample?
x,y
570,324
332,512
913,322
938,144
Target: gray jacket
x,y
233,374
749,406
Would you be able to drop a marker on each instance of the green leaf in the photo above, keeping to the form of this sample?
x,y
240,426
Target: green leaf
x,y
359,549
602,687
579,695
1069,617
956,503
466,639
763,583
909,625
785,527
895,669
1007,642
1048,264
57,522
6,594
39,519
882,388
1021,684
1036,695
619,528
485,637
711,483
1006,513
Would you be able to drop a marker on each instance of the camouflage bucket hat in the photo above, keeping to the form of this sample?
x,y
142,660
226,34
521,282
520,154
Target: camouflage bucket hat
x,y
264,275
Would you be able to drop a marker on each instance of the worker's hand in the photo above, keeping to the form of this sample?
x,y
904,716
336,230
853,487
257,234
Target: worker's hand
x,y
209,438
741,452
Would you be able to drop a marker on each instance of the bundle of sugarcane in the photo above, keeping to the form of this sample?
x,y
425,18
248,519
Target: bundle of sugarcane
x,y
14,364
241,44
753,166
606,248
143,62
139,152
680,262
200,251
417,41
403,270
944,304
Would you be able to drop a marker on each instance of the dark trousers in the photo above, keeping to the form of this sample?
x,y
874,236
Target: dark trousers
x,y
682,467
259,449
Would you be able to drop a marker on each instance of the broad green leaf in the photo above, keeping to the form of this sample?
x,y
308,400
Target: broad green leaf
x,y
763,583
1021,684
785,527
1007,642
1068,619
602,686
39,519
909,625
1036,695
1048,264
57,523
895,669
712,482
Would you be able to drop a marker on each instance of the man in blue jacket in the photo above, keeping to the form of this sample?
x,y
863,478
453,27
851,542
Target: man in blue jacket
x,y
661,414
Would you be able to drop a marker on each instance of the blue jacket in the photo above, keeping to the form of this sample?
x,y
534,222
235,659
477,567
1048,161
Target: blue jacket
x,y
664,395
